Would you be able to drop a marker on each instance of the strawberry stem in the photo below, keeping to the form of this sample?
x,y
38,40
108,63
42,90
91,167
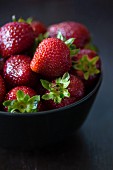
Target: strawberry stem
x,y
57,90
87,66
69,43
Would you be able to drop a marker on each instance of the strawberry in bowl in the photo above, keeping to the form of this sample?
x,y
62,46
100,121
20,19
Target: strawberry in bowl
x,y
45,96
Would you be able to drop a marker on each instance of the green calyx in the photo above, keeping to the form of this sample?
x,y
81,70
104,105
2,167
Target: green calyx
x,y
28,20
38,40
87,66
57,90
23,103
69,43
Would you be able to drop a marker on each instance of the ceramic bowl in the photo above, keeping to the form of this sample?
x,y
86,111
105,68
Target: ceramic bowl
x,y
36,130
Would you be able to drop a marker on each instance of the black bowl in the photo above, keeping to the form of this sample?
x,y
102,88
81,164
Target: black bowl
x,y
36,130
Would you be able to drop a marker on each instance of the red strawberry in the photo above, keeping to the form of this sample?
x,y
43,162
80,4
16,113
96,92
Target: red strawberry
x,y
21,99
63,91
52,58
42,106
15,37
2,89
87,65
50,104
38,28
17,71
71,30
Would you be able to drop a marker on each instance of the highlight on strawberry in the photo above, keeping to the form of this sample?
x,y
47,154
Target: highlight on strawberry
x,y
44,68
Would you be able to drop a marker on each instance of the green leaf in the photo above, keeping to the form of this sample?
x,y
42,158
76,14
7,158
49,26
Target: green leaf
x,y
23,103
86,75
94,60
66,84
66,76
45,84
34,98
21,20
58,80
48,96
69,42
74,52
60,36
26,98
58,99
87,66
57,90
66,93
45,35
29,20
20,95
7,103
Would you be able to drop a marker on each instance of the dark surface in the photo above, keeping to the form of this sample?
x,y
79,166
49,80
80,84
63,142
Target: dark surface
x,y
92,146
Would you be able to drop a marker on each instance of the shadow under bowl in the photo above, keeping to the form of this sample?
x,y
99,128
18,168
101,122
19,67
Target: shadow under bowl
x,y
36,130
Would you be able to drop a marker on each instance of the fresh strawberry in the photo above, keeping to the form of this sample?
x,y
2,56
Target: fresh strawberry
x,y
38,28
17,71
71,29
21,99
63,91
15,37
87,65
50,104
52,58
2,89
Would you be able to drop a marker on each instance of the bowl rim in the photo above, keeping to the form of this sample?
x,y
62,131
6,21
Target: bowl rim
x,y
59,109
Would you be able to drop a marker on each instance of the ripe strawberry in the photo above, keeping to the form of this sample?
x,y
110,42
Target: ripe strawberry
x,y
87,65
15,37
71,30
38,28
63,91
2,89
50,104
21,99
52,58
17,71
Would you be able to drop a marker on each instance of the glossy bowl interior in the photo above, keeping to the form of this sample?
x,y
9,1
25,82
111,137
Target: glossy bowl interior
x,y
36,130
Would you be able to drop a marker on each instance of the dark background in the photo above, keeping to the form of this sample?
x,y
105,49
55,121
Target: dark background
x,y
92,146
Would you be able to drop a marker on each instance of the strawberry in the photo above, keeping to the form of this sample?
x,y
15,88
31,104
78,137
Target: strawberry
x,y
15,37
71,29
17,71
2,89
52,58
21,99
87,65
63,91
38,28
50,104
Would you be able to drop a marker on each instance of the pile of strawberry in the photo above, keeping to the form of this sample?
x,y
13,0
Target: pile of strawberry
x,y
43,68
